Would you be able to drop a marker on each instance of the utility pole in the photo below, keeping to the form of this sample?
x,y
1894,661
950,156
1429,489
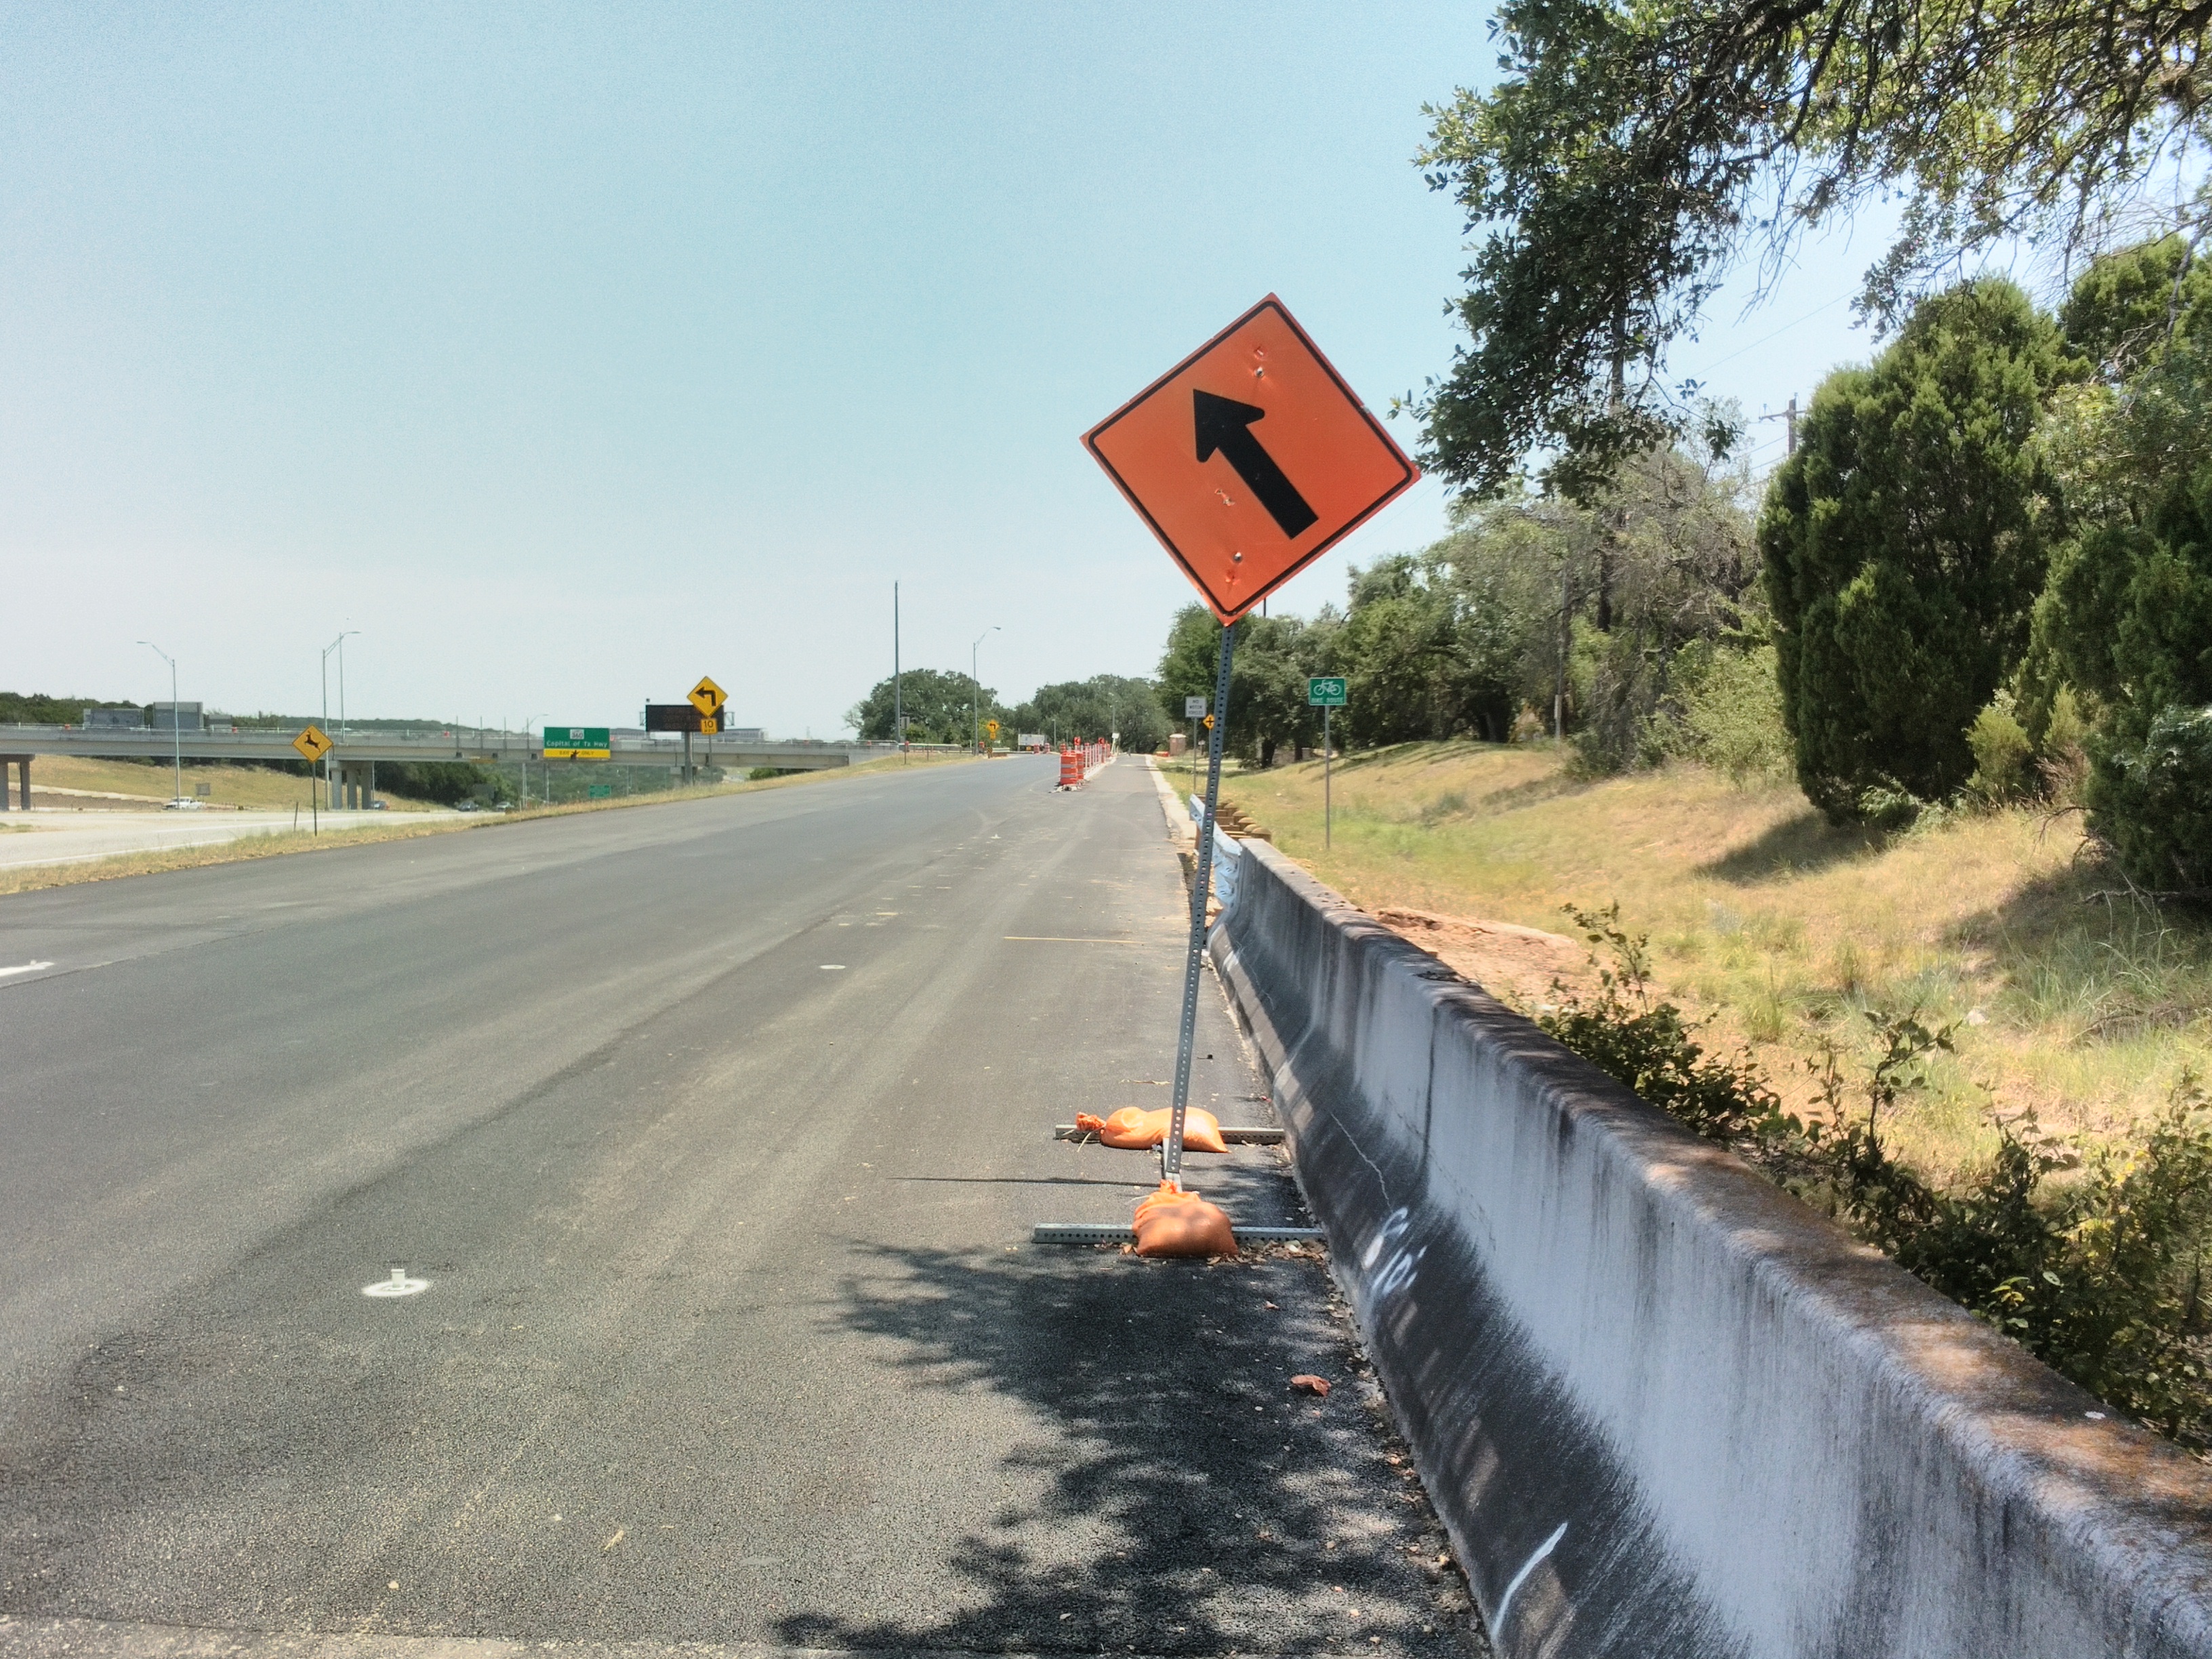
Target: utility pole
x,y
898,698
1617,520
1566,644
330,782
1790,415
176,725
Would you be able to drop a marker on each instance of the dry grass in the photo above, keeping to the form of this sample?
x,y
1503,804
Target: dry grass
x,y
1785,930
279,842
229,786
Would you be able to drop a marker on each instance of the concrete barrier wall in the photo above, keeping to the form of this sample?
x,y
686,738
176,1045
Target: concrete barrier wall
x,y
1664,1409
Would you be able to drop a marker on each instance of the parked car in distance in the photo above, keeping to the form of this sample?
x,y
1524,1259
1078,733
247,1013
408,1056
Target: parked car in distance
x,y
183,804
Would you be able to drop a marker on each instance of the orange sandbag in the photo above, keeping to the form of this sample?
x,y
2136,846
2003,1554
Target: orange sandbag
x,y
1134,1129
1169,1222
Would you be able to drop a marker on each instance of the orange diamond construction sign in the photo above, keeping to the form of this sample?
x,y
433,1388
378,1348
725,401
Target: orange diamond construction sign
x,y
1250,459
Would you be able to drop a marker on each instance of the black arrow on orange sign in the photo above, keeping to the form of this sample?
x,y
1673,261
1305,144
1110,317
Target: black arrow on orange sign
x,y
1225,425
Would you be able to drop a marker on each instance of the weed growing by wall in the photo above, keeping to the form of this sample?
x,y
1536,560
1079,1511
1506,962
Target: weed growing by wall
x,y
2088,1251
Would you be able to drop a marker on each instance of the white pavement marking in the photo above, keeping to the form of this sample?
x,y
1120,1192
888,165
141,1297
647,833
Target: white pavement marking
x,y
24,967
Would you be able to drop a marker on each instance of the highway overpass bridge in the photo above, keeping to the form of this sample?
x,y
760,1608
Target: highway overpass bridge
x,y
353,762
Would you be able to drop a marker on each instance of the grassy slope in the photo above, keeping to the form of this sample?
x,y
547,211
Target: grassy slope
x,y
232,785
1783,928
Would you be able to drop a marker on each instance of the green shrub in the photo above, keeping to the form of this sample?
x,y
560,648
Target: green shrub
x,y
2154,802
1887,806
2100,1274
1905,544
1649,1046
1730,713
2004,758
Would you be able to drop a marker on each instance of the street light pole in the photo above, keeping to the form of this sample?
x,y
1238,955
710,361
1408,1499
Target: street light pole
x,y
975,690
176,727
338,646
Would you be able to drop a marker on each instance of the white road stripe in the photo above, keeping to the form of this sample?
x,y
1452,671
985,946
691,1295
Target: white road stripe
x,y
24,967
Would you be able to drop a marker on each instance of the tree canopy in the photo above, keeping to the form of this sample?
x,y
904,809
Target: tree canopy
x,y
1529,598
1095,708
937,706
1632,152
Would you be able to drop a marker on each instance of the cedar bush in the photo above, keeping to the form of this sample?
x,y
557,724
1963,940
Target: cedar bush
x,y
1904,544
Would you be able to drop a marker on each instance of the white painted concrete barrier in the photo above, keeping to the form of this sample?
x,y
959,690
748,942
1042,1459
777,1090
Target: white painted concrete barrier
x,y
1664,1409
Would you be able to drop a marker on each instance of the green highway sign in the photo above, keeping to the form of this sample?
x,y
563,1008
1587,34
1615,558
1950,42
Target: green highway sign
x,y
1326,692
577,743
600,792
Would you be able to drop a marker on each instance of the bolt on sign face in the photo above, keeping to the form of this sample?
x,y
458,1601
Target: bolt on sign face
x,y
1250,459
313,744
706,696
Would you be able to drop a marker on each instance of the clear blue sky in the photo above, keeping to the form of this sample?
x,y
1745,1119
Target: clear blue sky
x,y
569,353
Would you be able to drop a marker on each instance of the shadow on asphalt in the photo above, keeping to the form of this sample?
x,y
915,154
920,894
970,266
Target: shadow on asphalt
x,y
1235,1514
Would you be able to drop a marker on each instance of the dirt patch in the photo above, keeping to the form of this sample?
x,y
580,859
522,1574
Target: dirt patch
x,y
1514,964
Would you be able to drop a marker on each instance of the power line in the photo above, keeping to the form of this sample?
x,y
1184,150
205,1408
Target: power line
x,y
1777,335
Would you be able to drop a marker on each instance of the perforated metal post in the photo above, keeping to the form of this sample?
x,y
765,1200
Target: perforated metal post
x,y
1201,882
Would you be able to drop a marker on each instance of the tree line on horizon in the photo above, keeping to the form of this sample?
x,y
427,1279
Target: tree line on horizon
x,y
941,707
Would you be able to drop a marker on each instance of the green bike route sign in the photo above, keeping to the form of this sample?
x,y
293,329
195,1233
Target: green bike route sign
x,y
1326,692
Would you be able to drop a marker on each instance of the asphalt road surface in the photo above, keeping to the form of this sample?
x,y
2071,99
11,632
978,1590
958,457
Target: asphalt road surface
x,y
716,1130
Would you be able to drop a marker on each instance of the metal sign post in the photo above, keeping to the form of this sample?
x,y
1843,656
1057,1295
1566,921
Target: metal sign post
x,y
1200,886
313,745
1241,512
1326,691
